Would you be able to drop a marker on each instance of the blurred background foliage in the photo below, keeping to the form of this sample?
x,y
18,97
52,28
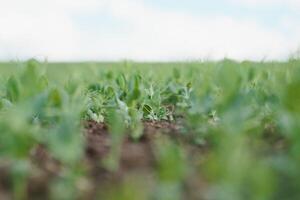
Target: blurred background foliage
x,y
246,114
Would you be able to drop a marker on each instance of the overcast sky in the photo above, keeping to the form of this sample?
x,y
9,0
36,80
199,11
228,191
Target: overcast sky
x,y
149,29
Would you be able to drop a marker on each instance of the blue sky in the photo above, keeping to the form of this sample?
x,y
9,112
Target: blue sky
x,y
268,15
149,29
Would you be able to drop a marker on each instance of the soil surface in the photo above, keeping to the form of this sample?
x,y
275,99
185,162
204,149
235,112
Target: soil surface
x,y
136,159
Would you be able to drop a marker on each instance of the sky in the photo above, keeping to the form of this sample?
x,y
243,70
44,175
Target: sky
x,y
149,30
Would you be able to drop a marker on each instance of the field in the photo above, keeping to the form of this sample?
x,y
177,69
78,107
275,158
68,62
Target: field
x,y
222,130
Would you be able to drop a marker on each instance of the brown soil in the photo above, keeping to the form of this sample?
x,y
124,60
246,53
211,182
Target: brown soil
x,y
137,159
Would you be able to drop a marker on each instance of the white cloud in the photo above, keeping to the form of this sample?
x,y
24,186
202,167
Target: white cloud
x,y
47,28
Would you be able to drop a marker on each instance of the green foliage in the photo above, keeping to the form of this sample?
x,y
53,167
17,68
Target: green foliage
x,y
240,112
12,89
171,163
116,122
292,97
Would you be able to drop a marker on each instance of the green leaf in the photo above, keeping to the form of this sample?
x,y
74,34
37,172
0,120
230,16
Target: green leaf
x,y
292,97
189,85
147,109
55,98
121,81
12,89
